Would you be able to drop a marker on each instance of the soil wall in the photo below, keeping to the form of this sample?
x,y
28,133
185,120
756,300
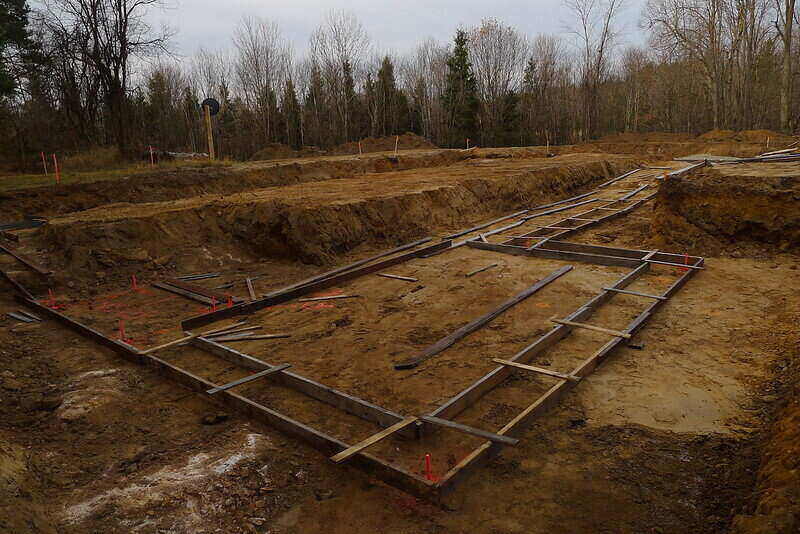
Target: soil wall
x,y
719,210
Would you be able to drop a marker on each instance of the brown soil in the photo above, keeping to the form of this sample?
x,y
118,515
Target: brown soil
x,y
665,438
731,209
281,151
384,144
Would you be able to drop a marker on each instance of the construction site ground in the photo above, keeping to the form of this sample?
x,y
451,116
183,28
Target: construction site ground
x,y
668,435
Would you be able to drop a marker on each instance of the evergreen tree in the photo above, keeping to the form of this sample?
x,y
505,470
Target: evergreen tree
x,y
461,94
13,40
290,110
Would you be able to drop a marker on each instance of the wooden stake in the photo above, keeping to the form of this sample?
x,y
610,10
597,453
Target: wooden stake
x,y
209,134
476,271
44,163
406,278
250,289
57,171
396,141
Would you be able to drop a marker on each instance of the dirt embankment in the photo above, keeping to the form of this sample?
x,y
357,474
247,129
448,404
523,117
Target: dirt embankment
x,y
182,183
775,506
727,208
661,145
21,506
313,222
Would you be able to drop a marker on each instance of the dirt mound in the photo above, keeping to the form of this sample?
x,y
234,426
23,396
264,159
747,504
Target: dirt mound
x,y
775,139
281,151
726,208
383,144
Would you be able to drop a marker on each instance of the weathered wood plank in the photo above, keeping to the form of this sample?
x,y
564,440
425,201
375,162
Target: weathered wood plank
x,y
534,369
491,436
250,378
373,439
593,328
481,321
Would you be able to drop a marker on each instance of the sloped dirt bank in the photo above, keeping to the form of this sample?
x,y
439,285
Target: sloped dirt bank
x,y
313,222
731,209
22,509
775,501
183,183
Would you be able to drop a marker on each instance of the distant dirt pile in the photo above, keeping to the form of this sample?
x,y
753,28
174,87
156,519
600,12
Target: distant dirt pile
x,y
383,144
713,210
281,151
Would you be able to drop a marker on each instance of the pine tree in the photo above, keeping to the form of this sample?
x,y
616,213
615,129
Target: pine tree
x,y
461,94
13,36
290,110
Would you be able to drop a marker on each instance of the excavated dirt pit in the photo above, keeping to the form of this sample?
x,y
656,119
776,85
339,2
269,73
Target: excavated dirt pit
x,y
663,437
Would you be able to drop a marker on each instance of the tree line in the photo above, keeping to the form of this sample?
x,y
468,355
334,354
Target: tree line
x,y
76,74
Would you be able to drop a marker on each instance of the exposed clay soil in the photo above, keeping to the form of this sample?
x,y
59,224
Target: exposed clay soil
x,y
667,437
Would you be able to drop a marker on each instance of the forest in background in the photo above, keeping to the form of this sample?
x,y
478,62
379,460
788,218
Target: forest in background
x,y
81,74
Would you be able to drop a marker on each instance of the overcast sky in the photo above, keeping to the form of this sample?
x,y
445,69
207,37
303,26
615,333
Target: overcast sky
x,y
393,25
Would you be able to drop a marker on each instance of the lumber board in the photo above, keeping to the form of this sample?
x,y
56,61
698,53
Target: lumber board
x,y
491,436
478,323
19,288
506,249
390,474
485,225
184,293
539,370
396,277
221,298
334,297
480,270
635,293
295,290
596,249
373,439
599,259
32,265
609,331
464,399
250,378
617,179
338,399
671,264
250,337
250,290
550,398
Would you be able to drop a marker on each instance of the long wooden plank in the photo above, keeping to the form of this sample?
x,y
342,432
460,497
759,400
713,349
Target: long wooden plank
x,y
481,321
491,436
295,290
338,399
373,439
250,378
485,225
559,209
184,293
391,474
25,261
463,400
550,398
221,298
21,290
635,293
575,324
539,370
599,259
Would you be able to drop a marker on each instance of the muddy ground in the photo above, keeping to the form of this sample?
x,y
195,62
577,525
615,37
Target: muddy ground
x,y
668,435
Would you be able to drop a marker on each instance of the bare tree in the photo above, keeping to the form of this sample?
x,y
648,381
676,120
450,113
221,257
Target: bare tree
x,y
784,25
109,34
597,32
498,53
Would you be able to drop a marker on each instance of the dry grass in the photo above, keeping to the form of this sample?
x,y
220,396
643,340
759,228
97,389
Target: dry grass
x,y
97,166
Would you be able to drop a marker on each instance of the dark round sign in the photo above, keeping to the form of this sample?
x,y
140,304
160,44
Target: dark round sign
x,y
213,105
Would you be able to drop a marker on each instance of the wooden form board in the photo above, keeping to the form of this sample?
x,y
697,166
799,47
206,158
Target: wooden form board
x,y
375,438
552,396
391,474
250,378
343,274
476,324
35,267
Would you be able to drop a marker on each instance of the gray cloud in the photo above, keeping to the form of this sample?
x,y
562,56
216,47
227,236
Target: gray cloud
x,y
393,25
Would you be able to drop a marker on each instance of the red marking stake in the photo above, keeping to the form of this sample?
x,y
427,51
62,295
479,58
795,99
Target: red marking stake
x,y
428,470
230,301
134,284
